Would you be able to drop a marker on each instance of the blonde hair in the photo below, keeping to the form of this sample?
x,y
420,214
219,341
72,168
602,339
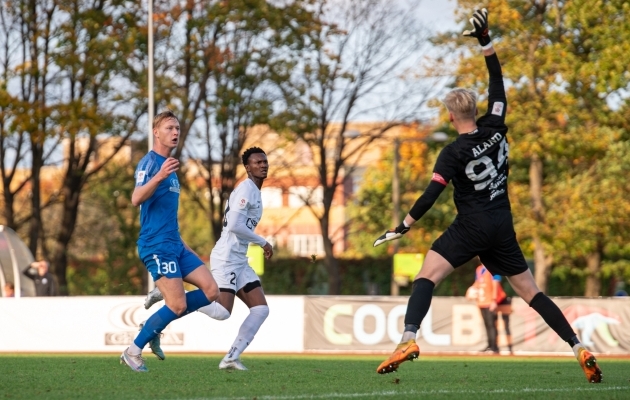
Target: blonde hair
x,y
163,116
462,103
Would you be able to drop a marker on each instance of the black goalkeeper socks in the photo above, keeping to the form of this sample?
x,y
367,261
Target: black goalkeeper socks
x,y
553,316
419,303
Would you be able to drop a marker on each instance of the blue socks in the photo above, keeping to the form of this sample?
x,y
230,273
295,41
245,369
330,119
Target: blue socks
x,y
164,316
195,300
154,326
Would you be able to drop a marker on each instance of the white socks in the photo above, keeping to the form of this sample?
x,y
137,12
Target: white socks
x,y
246,333
407,336
215,310
134,350
576,349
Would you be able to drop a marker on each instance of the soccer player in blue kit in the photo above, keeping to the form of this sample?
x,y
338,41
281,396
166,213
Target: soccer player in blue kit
x,y
160,246
477,164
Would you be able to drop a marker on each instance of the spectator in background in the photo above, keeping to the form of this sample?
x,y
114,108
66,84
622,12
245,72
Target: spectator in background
x,y
9,289
45,284
491,300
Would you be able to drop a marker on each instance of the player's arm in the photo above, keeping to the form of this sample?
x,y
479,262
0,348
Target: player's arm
x,y
422,205
237,224
143,191
442,173
497,100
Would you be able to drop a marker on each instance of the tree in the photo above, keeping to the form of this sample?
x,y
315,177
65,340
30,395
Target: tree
x,y
92,60
28,36
61,70
364,67
594,217
233,54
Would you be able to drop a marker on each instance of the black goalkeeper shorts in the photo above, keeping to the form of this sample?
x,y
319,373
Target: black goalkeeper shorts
x,y
489,235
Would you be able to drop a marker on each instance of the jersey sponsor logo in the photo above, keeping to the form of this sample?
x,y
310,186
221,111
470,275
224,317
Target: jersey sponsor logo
x,y
140,176
439,179
480,148
242,203
251,223
497,108
174,185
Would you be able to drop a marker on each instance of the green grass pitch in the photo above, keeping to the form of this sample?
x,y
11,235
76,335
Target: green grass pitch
x,y
197,377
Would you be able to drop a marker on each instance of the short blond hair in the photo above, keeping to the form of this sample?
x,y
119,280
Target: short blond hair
x,y
163,116
462,103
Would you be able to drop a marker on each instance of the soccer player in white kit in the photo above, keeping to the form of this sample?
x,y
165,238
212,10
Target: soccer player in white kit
x,y
228,259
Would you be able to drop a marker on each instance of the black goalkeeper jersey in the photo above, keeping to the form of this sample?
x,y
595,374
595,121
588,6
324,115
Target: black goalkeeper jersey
x,y
477,162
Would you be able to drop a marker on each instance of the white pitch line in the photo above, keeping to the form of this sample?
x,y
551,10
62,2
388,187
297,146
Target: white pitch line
x,y
422,392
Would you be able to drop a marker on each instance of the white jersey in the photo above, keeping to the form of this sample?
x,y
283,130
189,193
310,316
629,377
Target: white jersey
x,y
247,201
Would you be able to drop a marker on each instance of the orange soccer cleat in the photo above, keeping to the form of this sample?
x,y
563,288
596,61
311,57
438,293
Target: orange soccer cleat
x,y
589,365
407,351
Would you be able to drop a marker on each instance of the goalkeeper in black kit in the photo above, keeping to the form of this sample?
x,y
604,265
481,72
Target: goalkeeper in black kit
x,y
477,164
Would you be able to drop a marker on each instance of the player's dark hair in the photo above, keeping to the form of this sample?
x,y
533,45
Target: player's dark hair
x,y
250,151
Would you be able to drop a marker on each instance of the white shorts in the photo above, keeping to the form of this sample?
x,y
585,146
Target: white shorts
x,y
232,276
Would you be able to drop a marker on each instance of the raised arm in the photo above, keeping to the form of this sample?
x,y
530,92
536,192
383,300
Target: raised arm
x,y
497,100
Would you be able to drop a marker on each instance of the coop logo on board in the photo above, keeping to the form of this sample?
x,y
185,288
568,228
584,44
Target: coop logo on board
x,y
386,325
126,318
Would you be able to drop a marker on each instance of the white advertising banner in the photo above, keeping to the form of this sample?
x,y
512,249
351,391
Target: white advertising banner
x,y
298,324
110,323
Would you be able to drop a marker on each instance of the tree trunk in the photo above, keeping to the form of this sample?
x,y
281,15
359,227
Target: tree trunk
x,y
9,199
59,261
331,262
593,283
542,265
35,223
332,267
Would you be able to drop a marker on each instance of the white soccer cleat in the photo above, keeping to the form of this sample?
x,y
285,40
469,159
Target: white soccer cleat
x,y
133,361
232,364
153,297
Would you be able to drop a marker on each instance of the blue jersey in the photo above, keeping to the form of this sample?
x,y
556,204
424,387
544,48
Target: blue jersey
x,y
158,214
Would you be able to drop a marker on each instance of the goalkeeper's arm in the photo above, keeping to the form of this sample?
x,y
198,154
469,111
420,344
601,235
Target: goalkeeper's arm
x,y
424,202
422,205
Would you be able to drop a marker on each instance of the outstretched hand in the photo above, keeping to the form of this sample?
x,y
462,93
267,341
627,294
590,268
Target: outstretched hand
x,y
392,234
479,22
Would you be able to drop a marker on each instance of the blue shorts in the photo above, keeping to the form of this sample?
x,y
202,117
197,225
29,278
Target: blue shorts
x,y
171,260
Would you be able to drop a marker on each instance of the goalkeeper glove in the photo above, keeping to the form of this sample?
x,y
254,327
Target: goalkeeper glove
x,y
392,234
479,22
